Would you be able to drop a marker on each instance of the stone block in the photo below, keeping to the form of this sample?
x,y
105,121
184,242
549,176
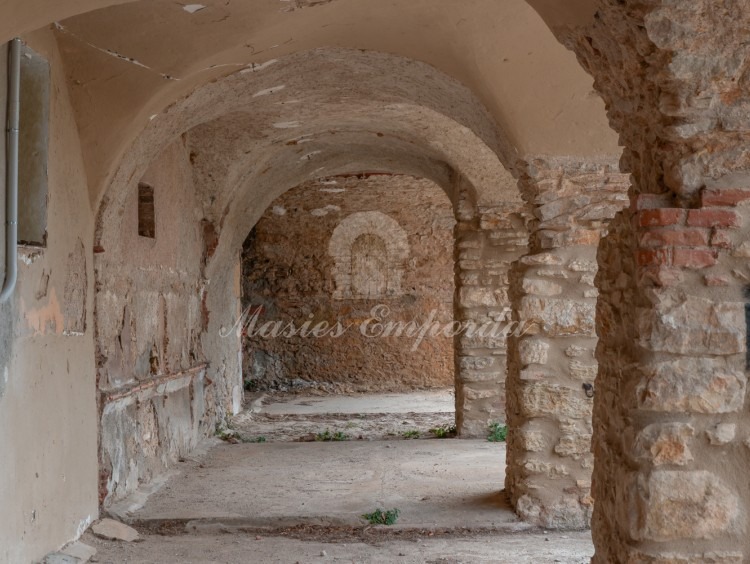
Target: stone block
x,y
559,317
574,351
541,287
684,324
480,297
722,434
547,469
579,265
533,351
665,443
546,259
574,445
486,376
567,512
114,530
532,441
581,371
672,505
692,385
476,362
80,550
543,399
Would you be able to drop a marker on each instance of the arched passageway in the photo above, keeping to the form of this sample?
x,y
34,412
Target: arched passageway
x,y
217,109
225,171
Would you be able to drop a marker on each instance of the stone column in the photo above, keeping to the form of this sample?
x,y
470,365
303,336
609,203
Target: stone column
x,y
670,427
488,241
551,364
672,443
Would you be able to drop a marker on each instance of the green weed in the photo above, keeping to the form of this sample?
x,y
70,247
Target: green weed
x,y
380,517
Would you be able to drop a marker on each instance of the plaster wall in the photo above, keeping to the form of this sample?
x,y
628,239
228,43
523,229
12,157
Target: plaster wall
x,y
48,431
151,368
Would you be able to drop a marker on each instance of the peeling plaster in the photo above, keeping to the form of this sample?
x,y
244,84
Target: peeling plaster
x,y
193,8
320,212
286,124
29,257
267,91
256,67
309,155
47,319
83,525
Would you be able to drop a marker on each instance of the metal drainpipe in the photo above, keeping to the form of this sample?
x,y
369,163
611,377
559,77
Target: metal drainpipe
x,y
11,170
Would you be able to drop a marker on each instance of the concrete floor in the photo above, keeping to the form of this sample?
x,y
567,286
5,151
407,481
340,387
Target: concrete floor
x,y
303,501
432,482
568,548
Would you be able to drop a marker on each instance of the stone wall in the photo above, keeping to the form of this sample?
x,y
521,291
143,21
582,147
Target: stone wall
x,y
551,356
155,400
331,251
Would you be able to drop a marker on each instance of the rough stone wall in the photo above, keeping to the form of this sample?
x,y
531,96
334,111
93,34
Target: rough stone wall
x,y
488,241
673,76
48,435
551,360
154,401
332,250
672,428
672,374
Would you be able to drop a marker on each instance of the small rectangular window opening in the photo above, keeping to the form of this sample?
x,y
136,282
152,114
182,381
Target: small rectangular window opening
x,y
146,213
33,140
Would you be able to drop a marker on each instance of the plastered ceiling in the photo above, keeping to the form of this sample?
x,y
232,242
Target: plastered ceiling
x,y
128,62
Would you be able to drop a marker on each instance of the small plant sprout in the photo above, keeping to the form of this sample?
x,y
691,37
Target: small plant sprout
x,y
328,436
413,434
444,431
380,517
498,433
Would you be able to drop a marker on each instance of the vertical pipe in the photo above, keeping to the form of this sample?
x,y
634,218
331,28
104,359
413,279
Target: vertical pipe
x,y
11,183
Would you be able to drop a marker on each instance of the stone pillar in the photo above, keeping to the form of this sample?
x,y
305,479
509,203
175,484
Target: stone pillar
x,y
670,426
672,443
551,364
488,241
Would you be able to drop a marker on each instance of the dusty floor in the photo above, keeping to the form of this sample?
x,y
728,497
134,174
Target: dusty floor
x,y
294,499
432,482
291,417
568,548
